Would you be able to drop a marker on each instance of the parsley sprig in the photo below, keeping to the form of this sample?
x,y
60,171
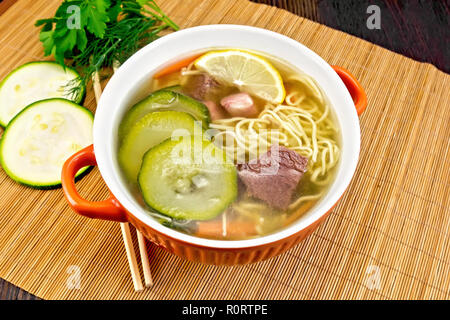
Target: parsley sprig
x,y
94,34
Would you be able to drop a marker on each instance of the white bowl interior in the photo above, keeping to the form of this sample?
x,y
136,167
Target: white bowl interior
x,y
123,90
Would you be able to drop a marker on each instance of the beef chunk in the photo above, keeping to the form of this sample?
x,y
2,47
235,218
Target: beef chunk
x,y
274,177
201,84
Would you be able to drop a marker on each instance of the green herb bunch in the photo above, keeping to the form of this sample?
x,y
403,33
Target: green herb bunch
x,y
94,34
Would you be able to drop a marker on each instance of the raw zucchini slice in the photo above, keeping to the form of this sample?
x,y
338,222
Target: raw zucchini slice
x,y
152,129
163,100
188,179
35,81
41,137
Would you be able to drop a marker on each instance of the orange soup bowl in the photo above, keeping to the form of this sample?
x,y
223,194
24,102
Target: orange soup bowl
x,y
345,94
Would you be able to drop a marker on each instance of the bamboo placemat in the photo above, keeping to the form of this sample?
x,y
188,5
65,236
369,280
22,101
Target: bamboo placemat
x,y
388,237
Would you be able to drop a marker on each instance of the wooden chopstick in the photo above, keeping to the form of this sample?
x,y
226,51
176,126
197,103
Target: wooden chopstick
x,y
131,255
144,259
125,227
97,86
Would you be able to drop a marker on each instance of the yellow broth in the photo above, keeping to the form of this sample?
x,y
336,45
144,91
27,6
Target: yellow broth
x,y
249,217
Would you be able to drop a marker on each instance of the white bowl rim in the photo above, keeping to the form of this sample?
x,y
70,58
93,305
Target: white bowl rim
x,y
104,154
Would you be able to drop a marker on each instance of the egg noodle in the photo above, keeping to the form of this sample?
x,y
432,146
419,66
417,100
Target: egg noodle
x,y
301,123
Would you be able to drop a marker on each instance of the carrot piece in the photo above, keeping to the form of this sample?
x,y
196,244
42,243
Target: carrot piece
x,y
235,229
177,66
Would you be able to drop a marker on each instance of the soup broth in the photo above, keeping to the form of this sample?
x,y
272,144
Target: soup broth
x,y
300,135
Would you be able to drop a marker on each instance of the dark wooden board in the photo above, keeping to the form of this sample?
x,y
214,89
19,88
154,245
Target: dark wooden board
x,y
418,29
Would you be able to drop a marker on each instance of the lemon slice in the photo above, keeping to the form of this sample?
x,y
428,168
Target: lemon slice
x,y
247,71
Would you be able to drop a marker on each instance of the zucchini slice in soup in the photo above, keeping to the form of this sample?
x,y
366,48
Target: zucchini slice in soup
x,y
32,82
41,137
188,179
163,100
150,130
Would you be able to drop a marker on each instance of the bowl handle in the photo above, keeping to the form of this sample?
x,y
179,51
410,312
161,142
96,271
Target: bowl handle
x,y
354,87
109,209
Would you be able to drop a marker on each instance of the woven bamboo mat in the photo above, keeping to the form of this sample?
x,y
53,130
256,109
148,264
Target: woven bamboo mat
x,y
388,237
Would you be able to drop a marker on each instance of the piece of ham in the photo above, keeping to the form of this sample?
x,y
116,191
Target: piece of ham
x,y
239,105
274,176
216,112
